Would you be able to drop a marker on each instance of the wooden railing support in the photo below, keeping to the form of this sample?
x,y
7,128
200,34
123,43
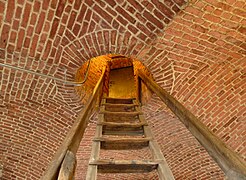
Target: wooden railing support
x,y
68,167
233,166
75,134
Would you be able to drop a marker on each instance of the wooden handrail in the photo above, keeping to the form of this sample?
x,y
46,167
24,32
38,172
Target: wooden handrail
x,y
75,134
233,166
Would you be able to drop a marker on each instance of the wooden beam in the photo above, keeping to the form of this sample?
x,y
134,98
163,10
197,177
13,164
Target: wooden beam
x,y
122,140
92,169
123,162
123,143
163,169
119,100
123,133
113,124
75,134
68,167
136,113
120,105
233,166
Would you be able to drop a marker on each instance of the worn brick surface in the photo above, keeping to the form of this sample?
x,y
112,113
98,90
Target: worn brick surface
x,y
195,50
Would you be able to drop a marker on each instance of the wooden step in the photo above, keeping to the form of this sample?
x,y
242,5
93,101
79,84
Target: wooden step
x,y
122,129
128,132
125,166
114,118
120,100
136,113
114,124
123,143
120,107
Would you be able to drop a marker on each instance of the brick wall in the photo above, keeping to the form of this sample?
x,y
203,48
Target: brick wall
x,y
184,154
203,65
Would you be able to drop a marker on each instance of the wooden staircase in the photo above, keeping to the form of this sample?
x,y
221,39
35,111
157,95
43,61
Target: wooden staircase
x,y
122,126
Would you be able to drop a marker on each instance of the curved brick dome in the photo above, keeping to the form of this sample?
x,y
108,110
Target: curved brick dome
x,y
196,50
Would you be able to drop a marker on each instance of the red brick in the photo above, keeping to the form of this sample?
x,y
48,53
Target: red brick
x,y
84,28
68,8
13,37
136,5
82,13
103,13
115,24
200,53
2,54
33,19
53,4
30,31
36,6
26,15
239,12
10,11
176,9
89,2
4,36
88,15
40,23
45,4
27,42
144,29
33,45
50,15
212,18
47,49
72,19
153,20
163,8
2,7
158,14
180,2
16,25
125,14
148,5
60,7
92,26
110,11
76,29
121,20
111,2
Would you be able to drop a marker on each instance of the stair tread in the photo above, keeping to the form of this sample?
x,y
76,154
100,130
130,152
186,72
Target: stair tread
x,y
124,113
124,162
125,166
119,100
114,124
123,133
133,98
111,104
120,139
120,143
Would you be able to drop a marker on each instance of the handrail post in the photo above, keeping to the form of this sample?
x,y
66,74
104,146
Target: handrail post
x,y
68,167
233,166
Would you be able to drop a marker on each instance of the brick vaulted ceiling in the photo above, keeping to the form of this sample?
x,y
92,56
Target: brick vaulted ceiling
x,y
196,50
